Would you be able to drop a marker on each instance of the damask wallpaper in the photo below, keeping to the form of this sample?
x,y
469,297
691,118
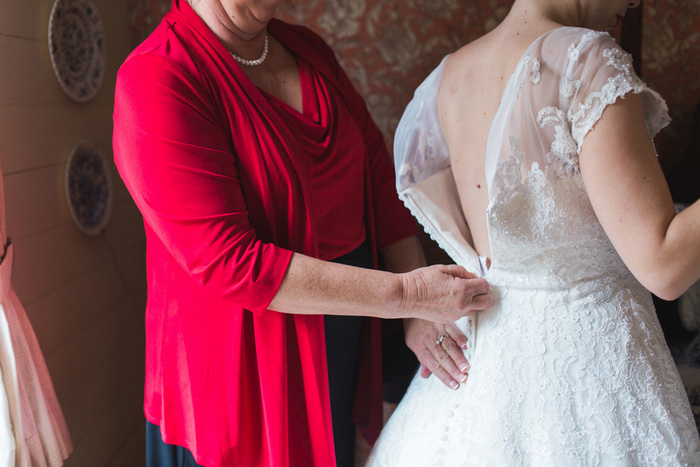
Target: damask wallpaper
x,y
389,46
671,65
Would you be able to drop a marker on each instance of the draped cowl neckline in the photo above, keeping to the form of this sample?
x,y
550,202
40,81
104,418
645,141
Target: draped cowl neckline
x,y
314,126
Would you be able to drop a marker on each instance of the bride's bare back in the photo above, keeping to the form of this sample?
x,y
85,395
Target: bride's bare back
x,y
473,82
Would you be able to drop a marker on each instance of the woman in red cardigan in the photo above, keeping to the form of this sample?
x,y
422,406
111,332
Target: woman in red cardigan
x,y
263,183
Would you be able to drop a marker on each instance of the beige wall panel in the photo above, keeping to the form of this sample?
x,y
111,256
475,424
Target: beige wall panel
x,y
115,19
132,268
105,439
100,348
133,453
34,137
59,315
38,201
125,228
121,194
53,258
26,76
100,390
26,18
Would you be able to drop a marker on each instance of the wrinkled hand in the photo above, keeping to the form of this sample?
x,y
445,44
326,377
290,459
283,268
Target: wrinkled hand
x,y
446,359
443,293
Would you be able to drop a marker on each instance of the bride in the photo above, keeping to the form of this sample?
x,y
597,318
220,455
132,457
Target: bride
x,y
527,156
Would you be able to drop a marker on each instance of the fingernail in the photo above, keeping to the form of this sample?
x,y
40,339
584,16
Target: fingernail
x,y
464,368
454,385
464,379
464,346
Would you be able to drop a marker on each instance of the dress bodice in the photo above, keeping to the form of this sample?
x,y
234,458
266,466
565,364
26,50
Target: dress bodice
x,y
539,212
541,226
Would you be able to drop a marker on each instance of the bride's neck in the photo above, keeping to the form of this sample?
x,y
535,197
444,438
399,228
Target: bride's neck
x,y
544,14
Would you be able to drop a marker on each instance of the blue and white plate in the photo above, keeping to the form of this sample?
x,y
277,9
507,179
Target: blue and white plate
x,y
77,48
88,188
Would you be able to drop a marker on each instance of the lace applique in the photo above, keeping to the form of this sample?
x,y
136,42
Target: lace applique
x,y
567,87
588,113
573,52
535,74
619,59
536,198
563,147
590,35
509,170
407,171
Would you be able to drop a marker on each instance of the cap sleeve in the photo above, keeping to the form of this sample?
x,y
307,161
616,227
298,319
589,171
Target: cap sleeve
x,y
600,72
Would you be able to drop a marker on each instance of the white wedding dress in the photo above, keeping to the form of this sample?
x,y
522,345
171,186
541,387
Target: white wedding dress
x,y
33,432
569,367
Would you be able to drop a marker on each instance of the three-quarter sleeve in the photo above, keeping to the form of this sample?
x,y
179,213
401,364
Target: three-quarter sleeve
x,y
175,159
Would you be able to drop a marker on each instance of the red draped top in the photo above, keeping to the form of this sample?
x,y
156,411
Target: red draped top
x,y
226,195
333,160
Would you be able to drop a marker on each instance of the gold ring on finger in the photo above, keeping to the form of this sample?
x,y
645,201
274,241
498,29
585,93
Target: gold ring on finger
x,y
442,338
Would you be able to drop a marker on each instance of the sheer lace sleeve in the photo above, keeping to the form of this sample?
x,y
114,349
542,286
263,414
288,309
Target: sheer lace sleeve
x,y
420,149
424,178
599,73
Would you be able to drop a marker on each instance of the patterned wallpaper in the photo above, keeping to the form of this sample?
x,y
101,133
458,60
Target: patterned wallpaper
x,y
671,65
389,46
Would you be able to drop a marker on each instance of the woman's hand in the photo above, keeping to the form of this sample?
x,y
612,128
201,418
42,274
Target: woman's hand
x,y
443,293
439,349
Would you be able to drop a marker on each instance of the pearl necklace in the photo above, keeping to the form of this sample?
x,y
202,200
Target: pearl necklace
x,y
257,61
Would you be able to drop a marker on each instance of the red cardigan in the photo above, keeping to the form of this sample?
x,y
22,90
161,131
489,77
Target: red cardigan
x,y
215,173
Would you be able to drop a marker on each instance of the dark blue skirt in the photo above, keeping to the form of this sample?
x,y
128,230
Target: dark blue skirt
x,y
159,454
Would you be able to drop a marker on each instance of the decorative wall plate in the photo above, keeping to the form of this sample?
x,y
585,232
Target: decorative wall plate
x,y
88,188
77,48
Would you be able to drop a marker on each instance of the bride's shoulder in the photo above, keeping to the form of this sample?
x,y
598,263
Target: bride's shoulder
x,y
467,63
472,52
574,41
575,34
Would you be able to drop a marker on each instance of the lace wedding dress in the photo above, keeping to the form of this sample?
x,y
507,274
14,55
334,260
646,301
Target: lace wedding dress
x,y
569,367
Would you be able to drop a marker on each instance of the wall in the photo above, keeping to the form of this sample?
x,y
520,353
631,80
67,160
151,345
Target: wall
x,y
671,65
84,295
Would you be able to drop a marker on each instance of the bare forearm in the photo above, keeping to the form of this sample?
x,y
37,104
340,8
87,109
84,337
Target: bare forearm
x,y
437,293
678,257
312,286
